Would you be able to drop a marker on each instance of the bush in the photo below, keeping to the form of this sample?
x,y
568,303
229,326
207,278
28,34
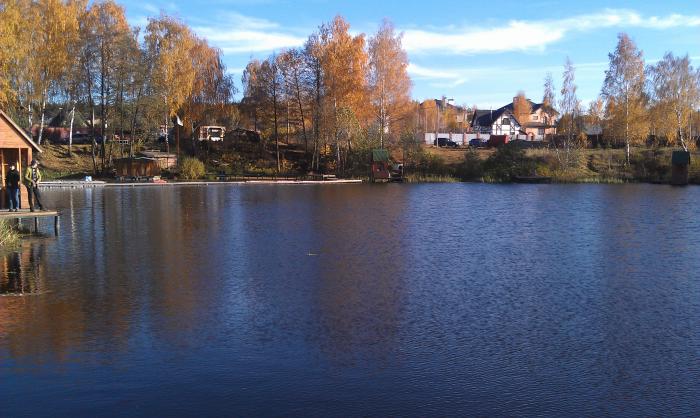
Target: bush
x,y
509,161
431,164
472,167
191,168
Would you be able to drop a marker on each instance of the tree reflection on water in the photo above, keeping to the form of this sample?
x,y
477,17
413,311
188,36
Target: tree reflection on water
x,y
22,271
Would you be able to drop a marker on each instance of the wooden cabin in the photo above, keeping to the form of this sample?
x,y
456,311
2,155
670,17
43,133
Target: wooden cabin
x,y
680,161
138,167
16,147
380,166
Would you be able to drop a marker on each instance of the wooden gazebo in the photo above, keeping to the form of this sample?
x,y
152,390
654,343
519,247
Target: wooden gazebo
x,y
16,147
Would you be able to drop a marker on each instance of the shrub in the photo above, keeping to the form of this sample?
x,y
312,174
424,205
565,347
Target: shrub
x,y
472,167
191,168
432,164
509,161
8,236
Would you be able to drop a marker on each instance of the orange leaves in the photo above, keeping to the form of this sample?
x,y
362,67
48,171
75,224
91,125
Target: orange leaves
x,y
169,44
344,62
389,83
522,108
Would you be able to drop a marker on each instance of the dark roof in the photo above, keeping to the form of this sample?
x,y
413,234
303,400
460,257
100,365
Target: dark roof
x,y
680,158
61,119
488,117
380,155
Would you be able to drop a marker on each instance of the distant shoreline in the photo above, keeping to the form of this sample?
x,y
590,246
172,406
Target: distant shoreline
x,y
68,184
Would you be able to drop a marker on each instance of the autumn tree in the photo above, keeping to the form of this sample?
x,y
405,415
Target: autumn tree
x,y
522,109
595,116
296,75
549,99
313,53
570,108
13,49
108,40
389,83
271,83
212,92
676,93
252,90
49,53
344,63
169,43
623,90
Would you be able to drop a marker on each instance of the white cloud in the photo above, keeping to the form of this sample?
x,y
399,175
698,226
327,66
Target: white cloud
x,y
422,72
519,35
236,33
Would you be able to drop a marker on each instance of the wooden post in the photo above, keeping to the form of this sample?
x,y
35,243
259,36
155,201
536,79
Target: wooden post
x,y
21,176
36,225
55,225
2,179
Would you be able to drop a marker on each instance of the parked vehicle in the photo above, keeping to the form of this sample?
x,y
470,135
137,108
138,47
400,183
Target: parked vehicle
x,y
477,143
80,139
444,142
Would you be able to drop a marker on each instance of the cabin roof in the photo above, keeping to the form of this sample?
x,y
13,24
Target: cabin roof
x,y
20,131
380,155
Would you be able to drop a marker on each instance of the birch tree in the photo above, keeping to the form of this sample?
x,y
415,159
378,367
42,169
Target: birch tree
x,y
389,83
169,43
13,49
624,93
676,90
49,52
252,90
570,108
344,63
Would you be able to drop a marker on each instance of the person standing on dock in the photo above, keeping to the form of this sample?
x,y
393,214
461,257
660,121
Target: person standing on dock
x,y
32,178
12,183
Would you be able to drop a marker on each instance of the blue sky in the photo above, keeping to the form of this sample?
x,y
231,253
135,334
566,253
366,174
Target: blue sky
x,y
479,53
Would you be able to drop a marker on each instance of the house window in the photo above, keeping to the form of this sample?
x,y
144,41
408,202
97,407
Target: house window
x,y
535,117
505,121
540,131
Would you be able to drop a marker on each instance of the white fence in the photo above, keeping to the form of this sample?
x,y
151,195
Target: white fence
x,y
461,139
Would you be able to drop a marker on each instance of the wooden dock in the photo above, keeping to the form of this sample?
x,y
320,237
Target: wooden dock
x,y
23,214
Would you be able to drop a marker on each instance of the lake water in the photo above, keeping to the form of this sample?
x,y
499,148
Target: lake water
x,y
357,300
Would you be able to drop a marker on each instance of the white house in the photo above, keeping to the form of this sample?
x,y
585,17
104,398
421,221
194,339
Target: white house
x,y
495,122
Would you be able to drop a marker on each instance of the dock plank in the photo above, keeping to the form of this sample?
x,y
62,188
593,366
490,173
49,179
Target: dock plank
x,y
26,214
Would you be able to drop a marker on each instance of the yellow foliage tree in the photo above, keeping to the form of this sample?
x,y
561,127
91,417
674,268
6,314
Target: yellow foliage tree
x,y
344,64
49,55
522,108
390,85
624,92
169,43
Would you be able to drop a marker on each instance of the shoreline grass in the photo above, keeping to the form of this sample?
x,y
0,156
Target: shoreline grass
x,y
9,236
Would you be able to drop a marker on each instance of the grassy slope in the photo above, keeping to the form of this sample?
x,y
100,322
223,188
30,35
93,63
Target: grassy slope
x,y
591,165
56,162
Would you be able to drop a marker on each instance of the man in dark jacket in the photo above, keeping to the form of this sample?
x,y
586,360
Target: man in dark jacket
x,y
12,184
32,178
